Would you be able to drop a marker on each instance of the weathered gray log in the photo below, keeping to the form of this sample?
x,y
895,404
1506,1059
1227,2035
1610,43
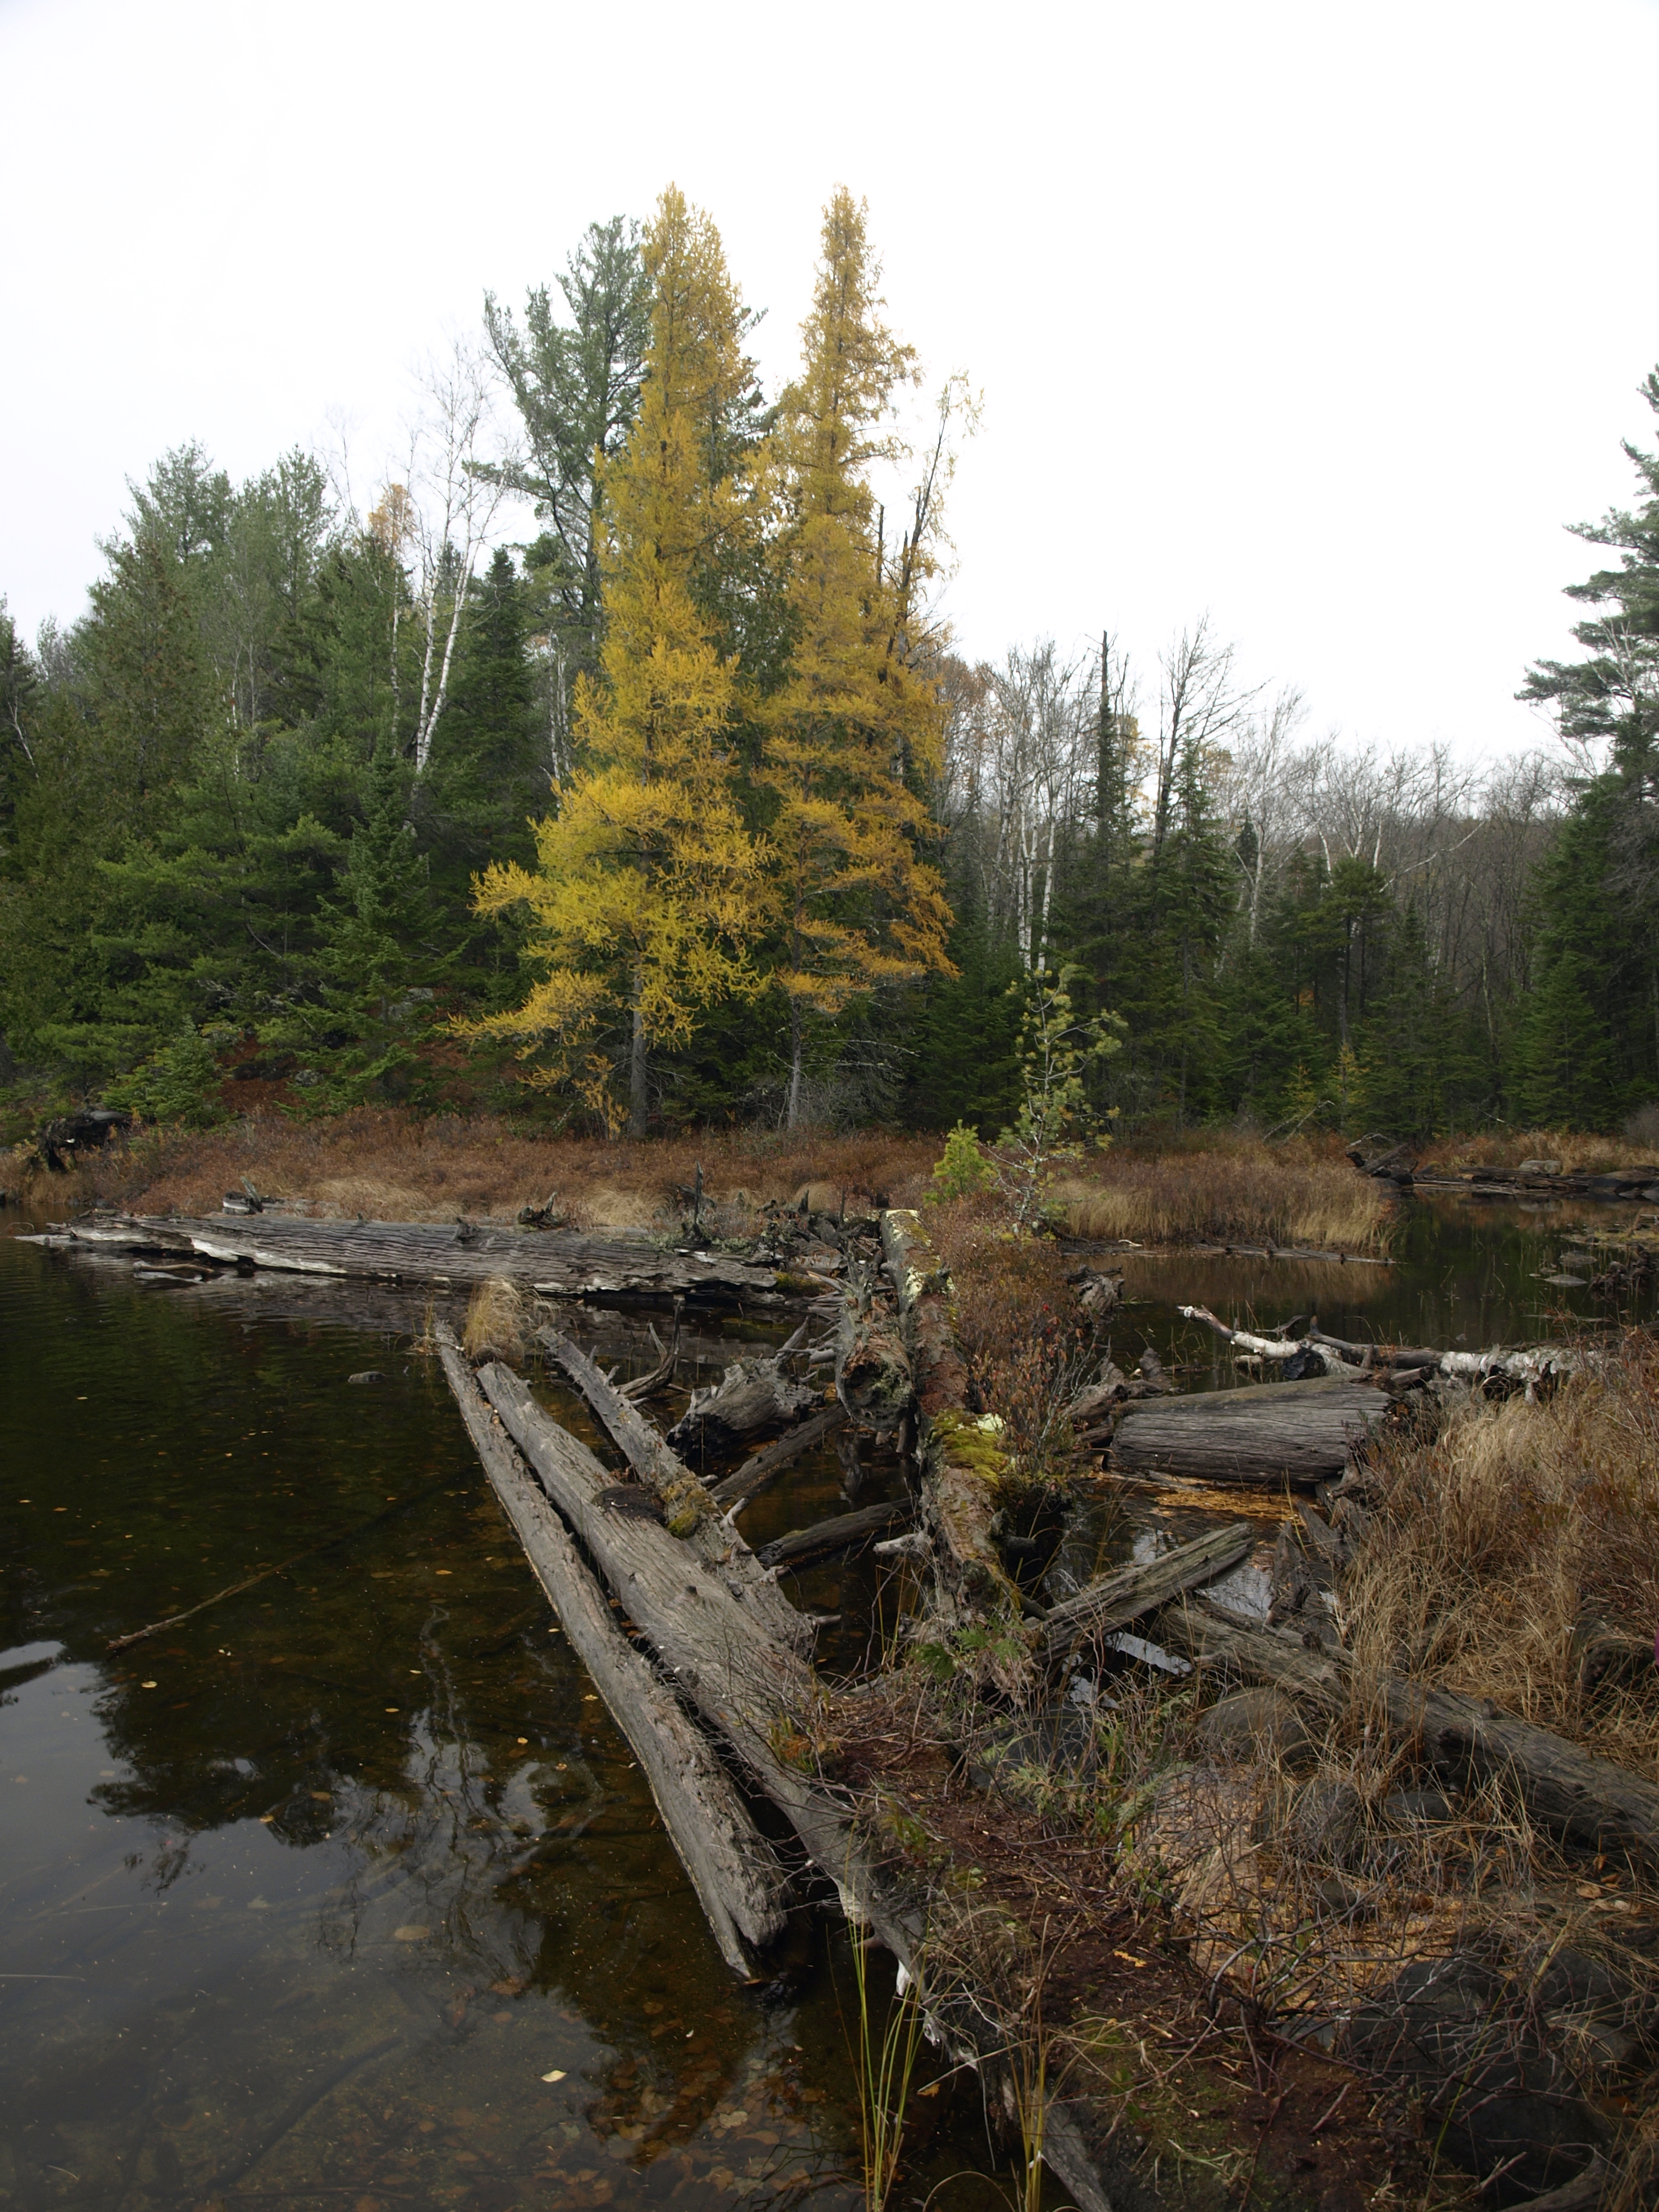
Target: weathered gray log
x,y
616,1266
764,1466
1580,1799
825,1540
733,1870
1272,1432
753,1398
1103,1607
691,1507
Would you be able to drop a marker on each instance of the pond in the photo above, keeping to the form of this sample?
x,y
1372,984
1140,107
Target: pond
x,y
346,1890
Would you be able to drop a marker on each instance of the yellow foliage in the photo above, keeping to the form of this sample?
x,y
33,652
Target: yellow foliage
x,y
646,892
859,713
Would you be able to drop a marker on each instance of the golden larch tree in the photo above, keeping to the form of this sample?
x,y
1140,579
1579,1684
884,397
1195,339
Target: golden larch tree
x,y
857,727
647,893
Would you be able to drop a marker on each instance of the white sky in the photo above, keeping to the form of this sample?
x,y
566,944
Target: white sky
x,y
1324,317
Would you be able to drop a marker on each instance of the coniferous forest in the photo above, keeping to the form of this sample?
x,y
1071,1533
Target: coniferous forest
x,y
683,808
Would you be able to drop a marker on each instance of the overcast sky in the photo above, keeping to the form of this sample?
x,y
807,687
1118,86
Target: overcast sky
x,y
1322,318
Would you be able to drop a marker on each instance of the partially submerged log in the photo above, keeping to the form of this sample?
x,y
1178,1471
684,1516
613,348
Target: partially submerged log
x,y
1111,1603
872,1371
689,1508
1533,1366
760,1468
736,1874
617,1265
1582,1800
1271,1432
752,1399
828,1540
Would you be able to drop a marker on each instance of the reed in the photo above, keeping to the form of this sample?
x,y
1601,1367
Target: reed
x,y
885,2058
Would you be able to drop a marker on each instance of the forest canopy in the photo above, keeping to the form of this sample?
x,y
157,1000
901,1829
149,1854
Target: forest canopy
x,y
681,806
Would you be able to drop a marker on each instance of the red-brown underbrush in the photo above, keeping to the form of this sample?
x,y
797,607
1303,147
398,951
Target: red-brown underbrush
x,y
391,1165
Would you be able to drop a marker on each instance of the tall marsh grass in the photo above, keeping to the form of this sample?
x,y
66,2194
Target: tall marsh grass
x,y
1232,1191
1499,1542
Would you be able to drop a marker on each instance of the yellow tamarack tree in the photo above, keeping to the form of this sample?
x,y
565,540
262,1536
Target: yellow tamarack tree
x,y
648,890
856,730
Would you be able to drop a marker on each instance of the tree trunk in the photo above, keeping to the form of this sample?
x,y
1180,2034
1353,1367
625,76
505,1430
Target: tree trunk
x,y
734,1490
1123,1595
753,1398
639,1108
796,1048
825,1540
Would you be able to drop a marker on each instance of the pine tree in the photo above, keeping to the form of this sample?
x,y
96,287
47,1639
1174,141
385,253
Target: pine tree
x,y
855,904
646,893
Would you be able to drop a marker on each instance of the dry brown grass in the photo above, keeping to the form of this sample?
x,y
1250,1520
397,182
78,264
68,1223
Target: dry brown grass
x,y
498,1322
391,1165
1233,1190
1497,1540
1577,1153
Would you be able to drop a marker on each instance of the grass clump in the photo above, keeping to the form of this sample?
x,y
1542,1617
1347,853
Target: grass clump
x,y
498,1322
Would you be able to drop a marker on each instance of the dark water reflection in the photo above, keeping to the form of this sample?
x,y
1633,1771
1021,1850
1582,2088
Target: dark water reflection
x,y
1465,1274
347,1890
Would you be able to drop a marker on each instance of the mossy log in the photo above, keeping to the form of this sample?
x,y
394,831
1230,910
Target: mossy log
x,y
739,1881
1581,1800
615,1267
959,1457
1270,1432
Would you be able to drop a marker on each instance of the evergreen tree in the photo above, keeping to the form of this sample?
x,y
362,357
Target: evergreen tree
x,y
855,905
645,894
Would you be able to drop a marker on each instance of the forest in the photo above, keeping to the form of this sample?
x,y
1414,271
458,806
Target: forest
x,y
685,810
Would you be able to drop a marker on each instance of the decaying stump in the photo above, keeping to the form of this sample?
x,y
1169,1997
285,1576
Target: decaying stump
x,y
753,1398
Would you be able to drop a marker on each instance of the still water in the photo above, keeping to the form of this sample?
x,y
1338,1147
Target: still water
x,y
346,1890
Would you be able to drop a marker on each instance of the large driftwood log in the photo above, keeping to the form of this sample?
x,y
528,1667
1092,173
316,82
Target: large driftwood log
x,y
734,1871
1272,1432
1580,1799
824,1539
1116,1599
619,1265
1535,1365
752,1398
734,1490
691,1507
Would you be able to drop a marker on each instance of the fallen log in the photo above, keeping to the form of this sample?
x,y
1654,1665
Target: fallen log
x,y
1102,1608
1533,1365
617,1265
1579,1799
689,1508
751,1399
826,1539
734,1871
872,1371
957,1453
1270,1432
734,1490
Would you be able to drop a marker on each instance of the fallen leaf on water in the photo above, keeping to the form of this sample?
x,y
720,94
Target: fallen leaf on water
x,y
412,1934
557,2074
1129,1958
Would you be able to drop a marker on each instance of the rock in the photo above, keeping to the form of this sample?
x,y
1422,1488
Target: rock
x,y
1410,1806
1258,1723
1541,1167
1327,1824
1496,2094
368,1375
